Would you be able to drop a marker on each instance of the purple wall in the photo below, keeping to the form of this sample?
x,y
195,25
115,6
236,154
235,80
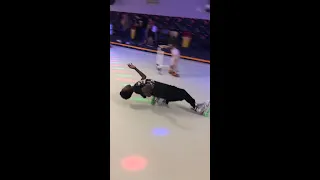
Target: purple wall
x,y
176,8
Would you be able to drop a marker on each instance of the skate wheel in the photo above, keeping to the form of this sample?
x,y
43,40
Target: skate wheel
x,y
207,113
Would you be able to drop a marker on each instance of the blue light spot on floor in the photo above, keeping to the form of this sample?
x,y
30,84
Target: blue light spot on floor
x,y
160,131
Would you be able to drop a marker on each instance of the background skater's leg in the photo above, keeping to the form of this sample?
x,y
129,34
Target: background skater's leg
x,y
159,60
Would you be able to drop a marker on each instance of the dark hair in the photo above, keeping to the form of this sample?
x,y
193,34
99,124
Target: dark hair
x,y
125,94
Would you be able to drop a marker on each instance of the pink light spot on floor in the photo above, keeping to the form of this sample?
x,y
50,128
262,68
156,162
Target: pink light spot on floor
x,y
134,163
120,71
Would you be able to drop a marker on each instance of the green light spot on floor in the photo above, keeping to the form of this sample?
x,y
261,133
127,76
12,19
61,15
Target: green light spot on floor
x,y
124,75
140,99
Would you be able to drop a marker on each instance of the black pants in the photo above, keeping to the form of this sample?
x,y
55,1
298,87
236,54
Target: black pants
x,y
142,35
181,95
154,37
125,35
172,93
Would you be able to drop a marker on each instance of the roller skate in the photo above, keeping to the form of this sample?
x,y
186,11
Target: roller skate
x,y
173,73
161,102
159,69
158,101
203,108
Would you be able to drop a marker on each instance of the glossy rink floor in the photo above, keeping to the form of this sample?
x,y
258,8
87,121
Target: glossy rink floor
x,y
153,142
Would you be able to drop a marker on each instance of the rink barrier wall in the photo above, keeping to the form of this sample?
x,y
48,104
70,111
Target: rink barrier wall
x,y
167,26
154,51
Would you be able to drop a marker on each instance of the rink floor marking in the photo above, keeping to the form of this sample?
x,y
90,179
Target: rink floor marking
x,y
116,65
117,68
124,75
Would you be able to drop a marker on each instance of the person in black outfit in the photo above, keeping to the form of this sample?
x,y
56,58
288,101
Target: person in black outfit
x,y
125,29
163,92
143,23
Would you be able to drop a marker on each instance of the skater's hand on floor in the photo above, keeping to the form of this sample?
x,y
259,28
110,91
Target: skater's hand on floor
x,y
131,66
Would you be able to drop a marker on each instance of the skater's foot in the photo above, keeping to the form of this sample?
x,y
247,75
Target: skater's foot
x,y
173,73
159,69
203,107
119,41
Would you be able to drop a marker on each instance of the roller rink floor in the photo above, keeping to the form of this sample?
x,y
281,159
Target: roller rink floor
x,y
156,142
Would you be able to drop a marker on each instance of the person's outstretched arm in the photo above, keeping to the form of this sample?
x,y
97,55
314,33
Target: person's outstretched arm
x,y
143,76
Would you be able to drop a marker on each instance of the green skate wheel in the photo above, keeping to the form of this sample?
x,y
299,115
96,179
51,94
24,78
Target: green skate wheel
x,y
207,113
153,101
140,99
